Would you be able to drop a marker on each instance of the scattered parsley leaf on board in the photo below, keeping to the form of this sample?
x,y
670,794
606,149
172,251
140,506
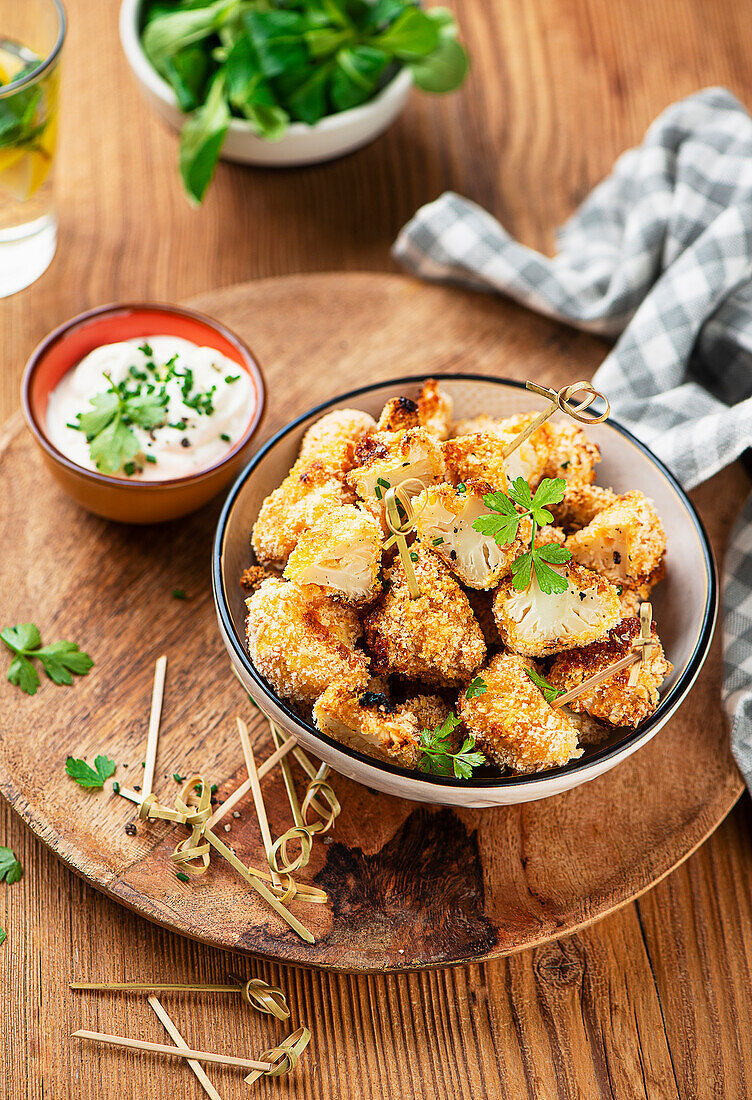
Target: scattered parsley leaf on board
x,y
475,688
437,757
179,594
3,934
85,775
59,660
548,691
10,867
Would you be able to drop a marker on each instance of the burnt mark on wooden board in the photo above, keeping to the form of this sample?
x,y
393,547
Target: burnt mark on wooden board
x,y
419,896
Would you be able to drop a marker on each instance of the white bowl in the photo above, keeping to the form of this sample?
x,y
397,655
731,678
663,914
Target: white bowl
x,y
685,604
332,137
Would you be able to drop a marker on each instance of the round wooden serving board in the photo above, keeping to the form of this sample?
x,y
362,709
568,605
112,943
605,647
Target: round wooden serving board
x,y
409,887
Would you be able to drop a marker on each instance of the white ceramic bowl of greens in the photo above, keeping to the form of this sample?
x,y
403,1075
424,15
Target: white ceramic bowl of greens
x,y
288,142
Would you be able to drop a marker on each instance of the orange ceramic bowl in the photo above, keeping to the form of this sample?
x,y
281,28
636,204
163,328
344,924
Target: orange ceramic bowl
x,y
114,497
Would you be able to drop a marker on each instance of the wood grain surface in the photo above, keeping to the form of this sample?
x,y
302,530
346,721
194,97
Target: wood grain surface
x,y
487,882
653,1001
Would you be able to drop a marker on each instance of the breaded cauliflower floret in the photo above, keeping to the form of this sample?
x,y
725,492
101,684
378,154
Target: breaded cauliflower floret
x,y
631,598
571,454
302,641
513,724
369,722
476,458
528,461
625,541
386,459
435,409
399,414
341,553
444,518
308,493
580,505
433,638
332,438
613,700
536,624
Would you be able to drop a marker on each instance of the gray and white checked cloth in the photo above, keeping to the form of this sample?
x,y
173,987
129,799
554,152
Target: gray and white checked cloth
x,y
658,257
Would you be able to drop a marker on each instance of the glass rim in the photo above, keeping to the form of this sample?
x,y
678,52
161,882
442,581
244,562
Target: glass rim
x,y
46,63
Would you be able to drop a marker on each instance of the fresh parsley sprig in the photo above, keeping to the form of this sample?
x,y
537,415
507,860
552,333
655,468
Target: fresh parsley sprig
x,y
476,688
108,425
10,866
548,691
58,660
503,526
437,757
85,775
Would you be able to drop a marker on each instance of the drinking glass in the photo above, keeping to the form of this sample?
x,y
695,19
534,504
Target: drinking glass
x,y
31,38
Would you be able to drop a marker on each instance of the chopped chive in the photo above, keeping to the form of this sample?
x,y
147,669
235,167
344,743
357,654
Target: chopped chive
x,y
383,483
378,493
178,778
225,437
413,556
437,542
179,594
230,378
462,488
116,787
146,349
152,459
182,876
76,427
129,468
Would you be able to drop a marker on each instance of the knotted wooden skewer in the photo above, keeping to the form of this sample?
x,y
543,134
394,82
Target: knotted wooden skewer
x,y
261,1067
257,993
286,1055
196,1067
401,526
640,648
560,402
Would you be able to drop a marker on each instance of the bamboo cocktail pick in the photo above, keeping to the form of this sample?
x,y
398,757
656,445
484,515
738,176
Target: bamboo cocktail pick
x,y
152,738
196,1067
231,802
401,527
265,998
560,402
286,1054
641,647
261,1067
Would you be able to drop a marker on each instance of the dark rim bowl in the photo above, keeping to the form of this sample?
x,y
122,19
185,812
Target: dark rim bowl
x,y
224,341
669,703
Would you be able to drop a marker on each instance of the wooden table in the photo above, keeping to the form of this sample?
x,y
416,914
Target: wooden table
x,y
654,1001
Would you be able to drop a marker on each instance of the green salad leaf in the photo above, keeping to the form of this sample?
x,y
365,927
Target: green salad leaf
x,y
274,62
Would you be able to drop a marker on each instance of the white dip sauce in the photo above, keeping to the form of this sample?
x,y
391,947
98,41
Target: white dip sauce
x,y
209,404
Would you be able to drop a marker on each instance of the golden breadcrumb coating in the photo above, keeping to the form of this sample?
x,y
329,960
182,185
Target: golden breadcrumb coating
x,y
624,541
434,638
444,517
399,414
631,598
476,458
590,731
528,461
302,641
386,459
580,505
435,409
536,624
544,536
571,454
307,494
513,724
369,722
333,437
252,577
341,553
613,700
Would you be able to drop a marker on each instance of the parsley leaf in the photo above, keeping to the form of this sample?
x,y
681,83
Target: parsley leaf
x,y
548,690
475,688
59,660
85,775
437,757
3,934
107,425
10,867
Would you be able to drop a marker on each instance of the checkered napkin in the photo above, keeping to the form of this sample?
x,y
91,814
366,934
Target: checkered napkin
x,y
659,257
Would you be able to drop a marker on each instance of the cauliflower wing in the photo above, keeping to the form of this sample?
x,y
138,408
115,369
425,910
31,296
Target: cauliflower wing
x,y
513,724
528,461
613,700
476,458
333,437
435,409
386,459
434,638
399,414
370,722
301,641
341,553
308,493
536,624
444,517
580,505
624,541
571,454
